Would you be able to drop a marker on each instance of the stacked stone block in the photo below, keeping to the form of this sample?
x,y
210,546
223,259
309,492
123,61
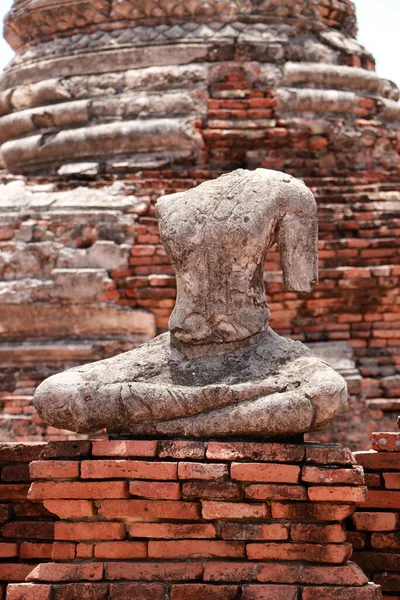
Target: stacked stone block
x,y
377,522
174,519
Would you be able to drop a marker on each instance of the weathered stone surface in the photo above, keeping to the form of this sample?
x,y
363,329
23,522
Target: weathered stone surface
x,y
220,370
217,236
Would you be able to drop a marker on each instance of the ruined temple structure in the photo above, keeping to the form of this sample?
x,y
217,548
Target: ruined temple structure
x,y
110,104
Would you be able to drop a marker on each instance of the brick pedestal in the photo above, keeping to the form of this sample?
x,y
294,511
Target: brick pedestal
x,y
181,520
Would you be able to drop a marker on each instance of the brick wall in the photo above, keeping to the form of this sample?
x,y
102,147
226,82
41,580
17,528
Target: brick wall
x,y
376,523
174,519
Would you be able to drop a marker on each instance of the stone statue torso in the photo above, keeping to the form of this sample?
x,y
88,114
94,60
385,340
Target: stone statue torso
x,y
217,236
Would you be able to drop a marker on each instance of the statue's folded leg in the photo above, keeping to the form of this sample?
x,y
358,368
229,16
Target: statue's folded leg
x,y
272,416
304,396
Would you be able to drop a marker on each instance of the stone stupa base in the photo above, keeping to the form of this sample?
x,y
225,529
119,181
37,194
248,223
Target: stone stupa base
x,y
189,520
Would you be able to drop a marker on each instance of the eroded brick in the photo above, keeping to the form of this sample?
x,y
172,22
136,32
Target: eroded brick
x,y
28,591
162,571
125,448
120,550
148,510
172,530
191,470
232,510
268,472
203,592
195,549
155,490
129,469
96,530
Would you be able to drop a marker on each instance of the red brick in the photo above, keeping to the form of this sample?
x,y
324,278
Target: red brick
x,y
356,539
119,550
13,491
37,530
8,550
373,480
66,572
270,592
20,452
317,142
195,549
28,591
154,571
70,490
147,510
329,455
230,571
203,592
139,250
137,591
96,530
392,480
84,550
378,461
376,521
337,494
172,531
382,499
254,531
63,450
273,473
14,571
377,561
130,469
213,471
211,491
63,552
35,550
310,532
275,492
16,473
155,490
182,449
5,512
327,553
386,541
310,512
232,510
70,509
283,572
390,582
30,510
54,469
369,592
122,448
81,591
255,451
386,442
325,476
348,574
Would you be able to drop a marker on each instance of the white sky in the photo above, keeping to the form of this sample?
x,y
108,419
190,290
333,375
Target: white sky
x,y
379,24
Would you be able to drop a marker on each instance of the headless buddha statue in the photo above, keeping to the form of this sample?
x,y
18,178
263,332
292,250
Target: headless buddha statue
x,y
220,371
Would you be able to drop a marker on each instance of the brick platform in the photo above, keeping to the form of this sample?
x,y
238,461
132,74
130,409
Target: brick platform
x,y
377,521
179,520
110,104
